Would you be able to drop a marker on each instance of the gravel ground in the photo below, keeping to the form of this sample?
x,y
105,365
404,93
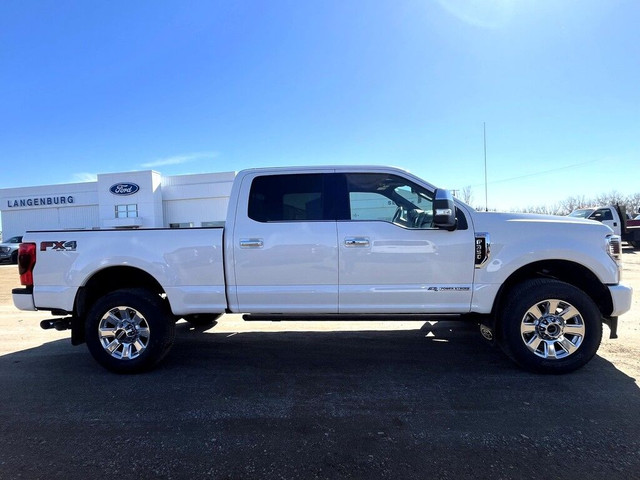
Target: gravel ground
x,y
316,400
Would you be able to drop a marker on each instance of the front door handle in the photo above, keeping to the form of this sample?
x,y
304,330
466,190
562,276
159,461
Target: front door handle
x,y
251,243
356,242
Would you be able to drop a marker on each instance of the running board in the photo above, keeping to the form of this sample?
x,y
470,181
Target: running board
x,y
378,317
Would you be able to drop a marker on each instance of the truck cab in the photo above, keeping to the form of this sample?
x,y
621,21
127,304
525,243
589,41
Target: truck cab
x,y
610,216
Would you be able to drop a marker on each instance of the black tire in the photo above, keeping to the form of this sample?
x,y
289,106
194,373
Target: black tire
x,y
137,328
635,244
548,326
14,257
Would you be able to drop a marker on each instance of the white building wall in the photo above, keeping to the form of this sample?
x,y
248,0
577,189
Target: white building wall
x,y
161,201
196,211
148,199
77,218
196,199
48,207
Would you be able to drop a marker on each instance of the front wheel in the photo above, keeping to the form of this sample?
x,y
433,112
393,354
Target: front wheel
x,y
129,331
548,326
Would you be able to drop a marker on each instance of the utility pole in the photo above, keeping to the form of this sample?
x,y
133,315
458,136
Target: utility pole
x,y
486,194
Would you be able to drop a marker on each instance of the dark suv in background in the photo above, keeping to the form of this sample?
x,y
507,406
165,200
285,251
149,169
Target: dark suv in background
x,y
9,250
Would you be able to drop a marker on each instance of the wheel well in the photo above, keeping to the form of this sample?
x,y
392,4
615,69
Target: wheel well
x,y
565,271
110,279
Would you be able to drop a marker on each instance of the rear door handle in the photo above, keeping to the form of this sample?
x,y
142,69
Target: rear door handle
x,y
251,243
356,242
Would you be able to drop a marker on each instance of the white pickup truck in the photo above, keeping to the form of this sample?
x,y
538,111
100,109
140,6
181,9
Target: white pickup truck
x,y
334,242
615,217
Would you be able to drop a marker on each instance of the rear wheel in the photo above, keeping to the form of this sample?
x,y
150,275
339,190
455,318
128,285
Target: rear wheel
x,y
129,331
548,326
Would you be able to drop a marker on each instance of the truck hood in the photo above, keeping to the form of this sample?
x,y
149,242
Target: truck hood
x,y
526,221
546,232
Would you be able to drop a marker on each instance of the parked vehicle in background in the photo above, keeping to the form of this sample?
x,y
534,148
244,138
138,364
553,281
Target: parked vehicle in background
x,y
339,243
9,249
615,217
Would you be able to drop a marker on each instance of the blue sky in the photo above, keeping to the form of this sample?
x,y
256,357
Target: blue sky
x,y
183,87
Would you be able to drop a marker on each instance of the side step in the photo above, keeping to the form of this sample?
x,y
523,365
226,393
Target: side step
x,y
378,317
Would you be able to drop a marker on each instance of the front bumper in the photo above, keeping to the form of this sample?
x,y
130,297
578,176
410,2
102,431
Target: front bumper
x,y
620,298
23,299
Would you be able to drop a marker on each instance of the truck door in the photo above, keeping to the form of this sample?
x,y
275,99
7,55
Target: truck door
x,y
392,259
285,245
608,217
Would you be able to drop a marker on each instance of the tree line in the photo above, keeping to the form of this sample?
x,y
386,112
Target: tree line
x,y
630,202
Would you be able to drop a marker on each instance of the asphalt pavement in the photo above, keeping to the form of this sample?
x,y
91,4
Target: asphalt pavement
x,y
417,401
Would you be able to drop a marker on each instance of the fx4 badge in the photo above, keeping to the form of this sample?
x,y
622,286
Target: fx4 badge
x,y
61,246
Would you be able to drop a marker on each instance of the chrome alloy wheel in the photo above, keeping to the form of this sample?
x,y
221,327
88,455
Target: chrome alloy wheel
x,y
124,333
552,329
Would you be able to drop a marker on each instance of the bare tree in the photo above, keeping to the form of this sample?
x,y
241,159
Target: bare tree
x,y
569,204
611,198
633,204
467,195
541,209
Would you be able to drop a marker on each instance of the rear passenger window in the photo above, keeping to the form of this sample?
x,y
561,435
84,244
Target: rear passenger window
x,y
282,198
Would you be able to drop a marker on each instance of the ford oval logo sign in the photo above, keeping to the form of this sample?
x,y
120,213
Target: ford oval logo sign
x,y
124,188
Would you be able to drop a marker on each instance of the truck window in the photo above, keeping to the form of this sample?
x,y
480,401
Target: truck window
x,y
602,214
284,198
389,198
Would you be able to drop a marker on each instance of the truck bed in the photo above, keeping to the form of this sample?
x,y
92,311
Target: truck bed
x,y
188,264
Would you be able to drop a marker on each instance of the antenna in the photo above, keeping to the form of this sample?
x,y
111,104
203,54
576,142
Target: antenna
x,y
486,194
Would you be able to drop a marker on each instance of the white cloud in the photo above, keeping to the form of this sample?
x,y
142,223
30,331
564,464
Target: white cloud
x,y
84,177
481,13
179,159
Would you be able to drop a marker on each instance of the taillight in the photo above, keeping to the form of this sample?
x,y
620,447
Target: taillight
x,y
26,262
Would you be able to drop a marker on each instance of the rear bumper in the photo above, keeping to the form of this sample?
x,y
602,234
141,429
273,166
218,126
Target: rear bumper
x,y
620,298
23,299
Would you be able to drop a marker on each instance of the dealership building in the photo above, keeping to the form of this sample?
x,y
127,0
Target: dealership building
x,y
143,199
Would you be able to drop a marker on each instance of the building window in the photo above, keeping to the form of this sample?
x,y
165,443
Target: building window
x,y
181,225
127,211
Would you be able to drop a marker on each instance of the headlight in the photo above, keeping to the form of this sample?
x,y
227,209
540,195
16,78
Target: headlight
x,y
614,247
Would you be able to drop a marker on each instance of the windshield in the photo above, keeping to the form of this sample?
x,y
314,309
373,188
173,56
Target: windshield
x,y
581,213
